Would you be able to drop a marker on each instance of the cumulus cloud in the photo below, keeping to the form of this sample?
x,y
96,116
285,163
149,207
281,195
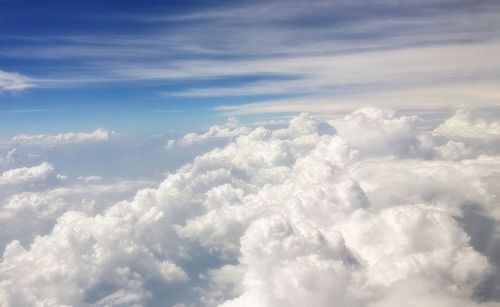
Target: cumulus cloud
x,y
463,125
228,130
30,211
98,135
24,212
372,212
28,214
26,175
378,131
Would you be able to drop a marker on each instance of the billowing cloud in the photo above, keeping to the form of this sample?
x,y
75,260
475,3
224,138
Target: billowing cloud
x,y
228,130
98,135
371,212
375,131
463,125
33,210
26,175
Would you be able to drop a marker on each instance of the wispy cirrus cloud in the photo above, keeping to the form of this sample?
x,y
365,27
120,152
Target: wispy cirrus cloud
x,y
338,51
12,82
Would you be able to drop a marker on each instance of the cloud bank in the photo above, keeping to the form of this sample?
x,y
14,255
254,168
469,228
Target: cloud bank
x,y
373,211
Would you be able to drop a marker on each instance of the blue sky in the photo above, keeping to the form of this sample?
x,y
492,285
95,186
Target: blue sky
x,y
161,65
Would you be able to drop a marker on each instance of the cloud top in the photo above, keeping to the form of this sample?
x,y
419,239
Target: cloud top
x,y
463,125
293,216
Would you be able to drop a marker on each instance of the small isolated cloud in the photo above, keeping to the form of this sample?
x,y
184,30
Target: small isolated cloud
x,y
25,175
48,140
170,144
90,179
372,212
61,177
12,82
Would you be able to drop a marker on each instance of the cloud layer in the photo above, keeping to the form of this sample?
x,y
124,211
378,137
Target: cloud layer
x,y
366,210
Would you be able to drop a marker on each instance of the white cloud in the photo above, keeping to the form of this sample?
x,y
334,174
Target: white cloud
x,y
89,179
98,135
376,131
29,212
170,144
462,125
228,130
416,60
26,175
299,216
12,82
10,156
61,177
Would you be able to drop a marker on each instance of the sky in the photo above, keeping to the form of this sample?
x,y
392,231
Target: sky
x,y
145,66
250,153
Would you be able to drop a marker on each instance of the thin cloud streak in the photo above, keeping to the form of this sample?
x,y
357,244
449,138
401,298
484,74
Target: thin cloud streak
x,y
292,52
13,82
418,99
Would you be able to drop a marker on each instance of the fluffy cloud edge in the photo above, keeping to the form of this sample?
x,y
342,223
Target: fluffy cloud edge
x,y
291,216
